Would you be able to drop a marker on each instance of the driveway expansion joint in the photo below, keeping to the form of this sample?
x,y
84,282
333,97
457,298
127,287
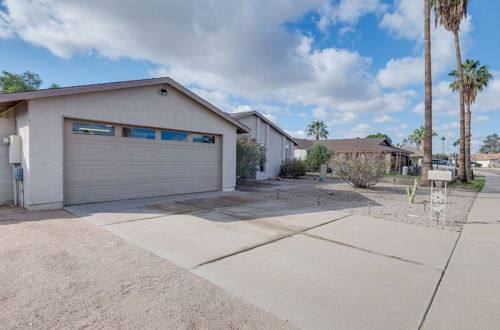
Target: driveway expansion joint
x,y
266,243
370,251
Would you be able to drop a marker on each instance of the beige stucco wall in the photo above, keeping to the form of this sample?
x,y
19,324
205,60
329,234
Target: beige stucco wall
x,y
275,143
141,106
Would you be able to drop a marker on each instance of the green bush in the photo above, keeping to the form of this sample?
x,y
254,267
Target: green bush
x,y
249,156
317,156
292,168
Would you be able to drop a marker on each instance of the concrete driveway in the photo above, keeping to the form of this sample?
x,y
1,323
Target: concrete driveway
x,y
318,269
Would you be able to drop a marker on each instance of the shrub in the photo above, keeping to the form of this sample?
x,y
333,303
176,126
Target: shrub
x,y
249,156
359,170
292,168
317,156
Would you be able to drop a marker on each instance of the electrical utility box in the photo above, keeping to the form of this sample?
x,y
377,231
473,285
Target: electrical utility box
x,y
15,155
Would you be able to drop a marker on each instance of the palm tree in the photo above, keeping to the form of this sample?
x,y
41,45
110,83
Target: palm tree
x,y
455,144
427,165
318,129
418,136
443,139
450,14
476,78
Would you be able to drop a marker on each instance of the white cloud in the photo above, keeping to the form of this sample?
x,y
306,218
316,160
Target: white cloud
x,y
348,11
406,22
480,119
489,99
447,126
205,44
384,119
271,117
345,30
361,130
297,134
320,113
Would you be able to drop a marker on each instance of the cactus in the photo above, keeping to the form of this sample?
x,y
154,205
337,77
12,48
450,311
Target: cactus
x,y
410,192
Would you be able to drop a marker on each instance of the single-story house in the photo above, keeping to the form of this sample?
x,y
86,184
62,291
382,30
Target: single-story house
x,y
115,141
486,160
359,146
278,144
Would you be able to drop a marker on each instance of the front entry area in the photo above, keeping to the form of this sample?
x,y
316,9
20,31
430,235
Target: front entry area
x,y
106,162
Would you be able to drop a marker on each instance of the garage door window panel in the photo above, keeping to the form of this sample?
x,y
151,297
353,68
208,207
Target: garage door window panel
x,y
92,129
139,133
174,136
200,138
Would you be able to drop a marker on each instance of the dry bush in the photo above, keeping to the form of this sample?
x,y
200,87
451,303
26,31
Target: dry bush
x,y
359,170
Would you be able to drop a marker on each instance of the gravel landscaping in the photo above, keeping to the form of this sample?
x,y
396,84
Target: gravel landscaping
x,y
58,271
386,200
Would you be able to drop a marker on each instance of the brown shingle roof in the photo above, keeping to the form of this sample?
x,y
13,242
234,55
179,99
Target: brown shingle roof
x,y
354,145
476,157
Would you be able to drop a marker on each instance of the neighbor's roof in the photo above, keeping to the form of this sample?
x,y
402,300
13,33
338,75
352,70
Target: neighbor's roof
x,y
416,152
476,157
354,145
240,115
8,100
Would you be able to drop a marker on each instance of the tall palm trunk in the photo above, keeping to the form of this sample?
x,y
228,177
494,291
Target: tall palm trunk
x,y
468,136
462,173
428,95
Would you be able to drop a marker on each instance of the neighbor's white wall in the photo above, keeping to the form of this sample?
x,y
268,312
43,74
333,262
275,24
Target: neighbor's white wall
x,y
275,143
135,106
300,154
7,127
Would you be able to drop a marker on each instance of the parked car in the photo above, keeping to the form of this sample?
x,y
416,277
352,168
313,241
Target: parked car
x,y
441,164
476,164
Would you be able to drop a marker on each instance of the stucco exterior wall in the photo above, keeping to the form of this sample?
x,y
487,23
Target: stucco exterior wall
x,y
142,106
300,154
275,143
7,127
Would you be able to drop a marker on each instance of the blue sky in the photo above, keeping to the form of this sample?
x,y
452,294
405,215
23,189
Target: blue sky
x,y
356,64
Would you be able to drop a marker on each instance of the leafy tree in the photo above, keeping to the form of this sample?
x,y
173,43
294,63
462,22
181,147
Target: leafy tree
x,y
476,78
249,156
316,156
54,85
11,82
380,135
491,145
318,129
450,13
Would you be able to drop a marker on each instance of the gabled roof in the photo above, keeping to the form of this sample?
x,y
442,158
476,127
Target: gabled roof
x,y
9,100
244,114
354,145
483,157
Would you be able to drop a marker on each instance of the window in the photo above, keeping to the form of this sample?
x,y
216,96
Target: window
x,y
140,133
93,129
198,138
174,136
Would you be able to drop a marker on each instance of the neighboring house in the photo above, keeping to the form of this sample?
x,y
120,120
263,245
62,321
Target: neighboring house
x,y
487,160
360,146
117,141
278,144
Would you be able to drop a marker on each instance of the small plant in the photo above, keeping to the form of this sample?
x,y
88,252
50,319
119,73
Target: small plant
x,y
292,168
410,192
359,170
249,156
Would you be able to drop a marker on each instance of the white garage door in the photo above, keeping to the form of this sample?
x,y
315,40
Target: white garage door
x,y
105,162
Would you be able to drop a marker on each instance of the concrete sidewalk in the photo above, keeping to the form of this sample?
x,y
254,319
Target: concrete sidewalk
x,y
469,294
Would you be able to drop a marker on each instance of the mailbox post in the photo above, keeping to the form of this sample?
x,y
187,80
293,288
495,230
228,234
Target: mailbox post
x,y
438,196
